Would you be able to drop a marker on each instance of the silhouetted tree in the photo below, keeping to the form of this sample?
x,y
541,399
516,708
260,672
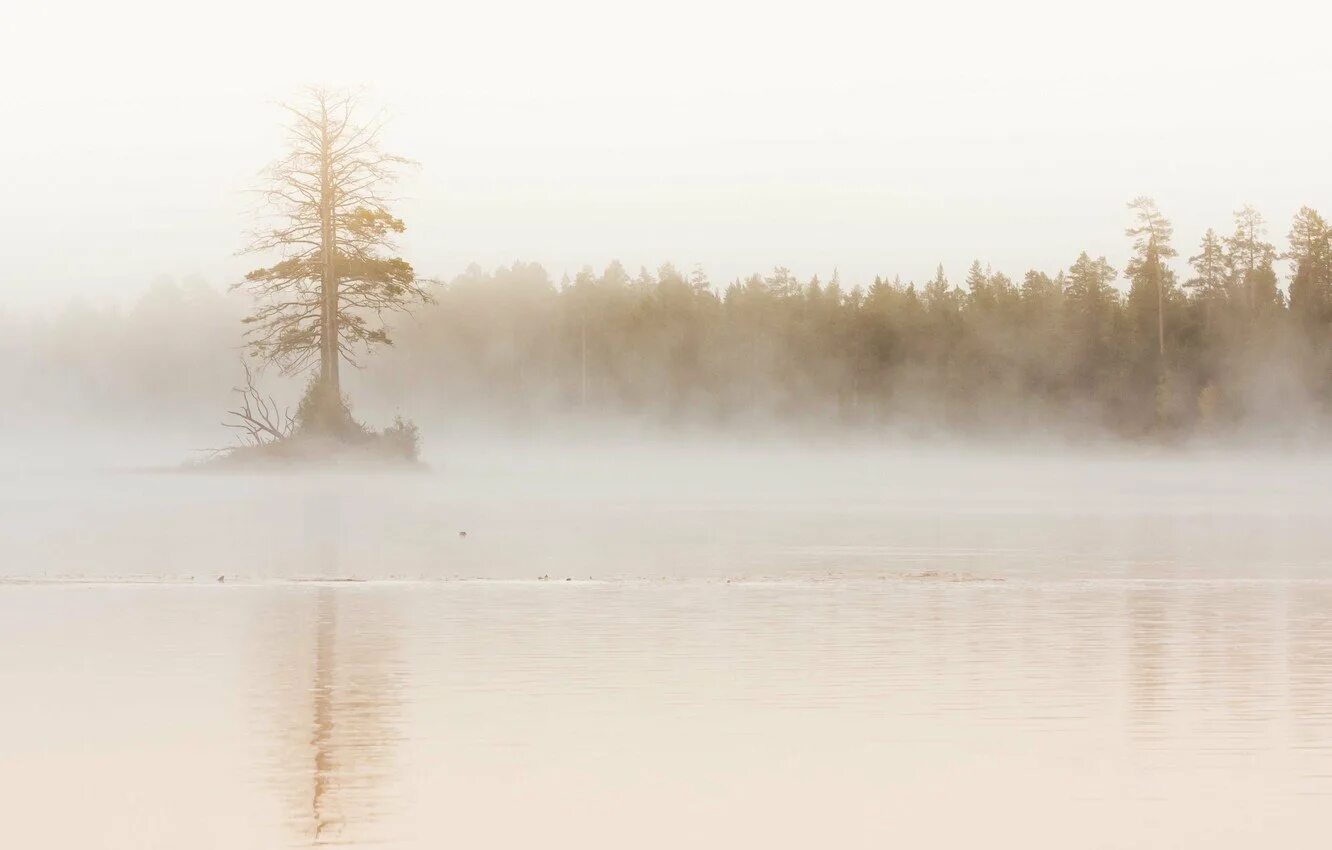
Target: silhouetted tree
x,y
324,299
1147,270
1310,255
1251,257
1211,266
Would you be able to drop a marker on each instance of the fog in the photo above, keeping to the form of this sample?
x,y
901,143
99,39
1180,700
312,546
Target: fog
x,y
751,625
148,380
758,634
734,426
633,508
110,404
734,135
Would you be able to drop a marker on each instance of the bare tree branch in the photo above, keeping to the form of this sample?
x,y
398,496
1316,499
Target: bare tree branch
x,y
257,417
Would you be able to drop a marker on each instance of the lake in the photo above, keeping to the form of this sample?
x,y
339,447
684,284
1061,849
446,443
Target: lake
x,y
670,646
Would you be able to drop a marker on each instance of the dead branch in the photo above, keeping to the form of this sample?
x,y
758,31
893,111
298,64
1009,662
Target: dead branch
x,y
257,417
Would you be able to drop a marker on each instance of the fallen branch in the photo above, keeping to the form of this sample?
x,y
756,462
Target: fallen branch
x,y
257,418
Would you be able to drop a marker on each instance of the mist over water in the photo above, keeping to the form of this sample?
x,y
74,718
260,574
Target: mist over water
x,y
654,633
644,642
716,509
708,426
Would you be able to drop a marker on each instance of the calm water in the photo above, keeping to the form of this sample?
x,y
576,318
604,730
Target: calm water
x,y
812,650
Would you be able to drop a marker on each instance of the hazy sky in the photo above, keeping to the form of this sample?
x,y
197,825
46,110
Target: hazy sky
x,y
737,135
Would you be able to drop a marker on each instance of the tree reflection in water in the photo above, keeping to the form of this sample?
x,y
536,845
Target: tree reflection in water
x,y
333,695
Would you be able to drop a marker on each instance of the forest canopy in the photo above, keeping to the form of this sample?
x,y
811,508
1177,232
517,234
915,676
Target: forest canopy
x,y
1230,334
1149,352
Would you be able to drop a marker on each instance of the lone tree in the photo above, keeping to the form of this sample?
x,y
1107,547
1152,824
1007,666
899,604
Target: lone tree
x,y
324,300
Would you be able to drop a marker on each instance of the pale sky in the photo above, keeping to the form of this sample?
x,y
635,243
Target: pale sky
x,y
736,135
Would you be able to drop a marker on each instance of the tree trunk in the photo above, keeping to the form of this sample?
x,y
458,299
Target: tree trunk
x,y
1159,273
328,284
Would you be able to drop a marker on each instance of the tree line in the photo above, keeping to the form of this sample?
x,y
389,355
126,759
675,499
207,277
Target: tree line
x,y
1219,346
1170,345
1244,338
1153,349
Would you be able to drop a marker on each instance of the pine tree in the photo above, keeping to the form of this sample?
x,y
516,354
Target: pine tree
x,y
1091,299
977,279
1211,266
1151,279
782,283
1310,257
1251,257
938,293
324,300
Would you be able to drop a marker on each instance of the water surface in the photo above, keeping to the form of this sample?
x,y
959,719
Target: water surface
x,y
672,651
